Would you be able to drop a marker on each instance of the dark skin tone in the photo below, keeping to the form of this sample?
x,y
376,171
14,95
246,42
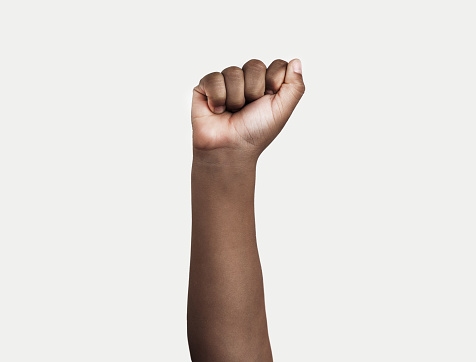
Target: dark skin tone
x,y
236,114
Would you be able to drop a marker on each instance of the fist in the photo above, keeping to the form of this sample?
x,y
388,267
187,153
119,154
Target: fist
x,y
243,109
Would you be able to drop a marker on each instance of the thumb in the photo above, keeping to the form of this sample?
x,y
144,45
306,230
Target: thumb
x,y
292,89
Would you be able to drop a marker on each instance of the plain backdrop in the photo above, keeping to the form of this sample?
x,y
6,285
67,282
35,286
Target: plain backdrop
x,y
365,203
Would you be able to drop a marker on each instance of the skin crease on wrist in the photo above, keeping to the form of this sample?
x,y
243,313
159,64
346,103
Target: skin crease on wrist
x,y
236,114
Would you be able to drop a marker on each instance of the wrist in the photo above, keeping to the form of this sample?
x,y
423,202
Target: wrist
x,y
229,177
226,158
227,172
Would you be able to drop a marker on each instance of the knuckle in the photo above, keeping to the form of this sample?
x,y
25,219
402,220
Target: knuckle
x,y
215,86
254,65
213,78
279,63
233,72
301,88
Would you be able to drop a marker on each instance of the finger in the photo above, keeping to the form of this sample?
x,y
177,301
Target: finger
x,y
212,86
275,76
293,87
199,104
255,76
235,88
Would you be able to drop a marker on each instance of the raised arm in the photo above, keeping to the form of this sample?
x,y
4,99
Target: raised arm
x,y
236,114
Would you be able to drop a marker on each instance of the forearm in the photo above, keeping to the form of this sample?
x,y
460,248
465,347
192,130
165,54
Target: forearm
x,y
226,313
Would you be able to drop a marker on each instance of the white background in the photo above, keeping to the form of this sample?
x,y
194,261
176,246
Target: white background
x,y
365,203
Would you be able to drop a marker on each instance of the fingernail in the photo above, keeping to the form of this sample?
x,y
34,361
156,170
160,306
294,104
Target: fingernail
x,y
220,109
269,91
297,66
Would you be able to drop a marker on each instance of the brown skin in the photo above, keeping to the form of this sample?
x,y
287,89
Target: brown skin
x,y
236,114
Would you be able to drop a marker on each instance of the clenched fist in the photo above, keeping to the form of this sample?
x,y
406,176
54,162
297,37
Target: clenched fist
x,y
237,113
